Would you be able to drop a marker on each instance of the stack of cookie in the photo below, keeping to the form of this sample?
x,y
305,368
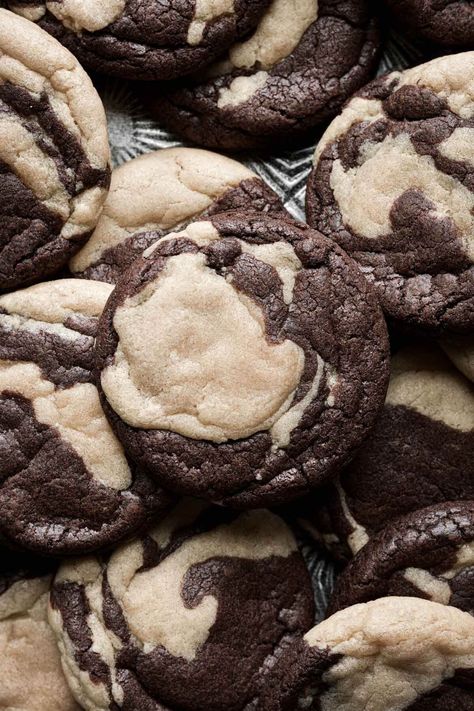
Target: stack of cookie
x,y
190,379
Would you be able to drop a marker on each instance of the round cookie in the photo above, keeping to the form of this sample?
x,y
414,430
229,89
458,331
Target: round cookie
x,y
420,452
393,184
144,39
66,486
460,350
303,61
242,360
393,654
160,192
428,553
54,153
31,677
167,621
449,23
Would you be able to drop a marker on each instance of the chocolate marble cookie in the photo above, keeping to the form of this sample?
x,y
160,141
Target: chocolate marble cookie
x,y
160,192
393,654
144,39
449,23
420,452
31,677
192,616
66,486
305,58
393,184
54,153
428,553
242,360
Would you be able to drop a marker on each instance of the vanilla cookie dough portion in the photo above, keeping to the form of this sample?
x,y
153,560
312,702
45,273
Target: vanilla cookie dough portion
x,y
54,154
160,192
242,359
144,39
31,676
428,553
449,23
393,184
66,483
420,453
460,350
393,654
305,58
169,618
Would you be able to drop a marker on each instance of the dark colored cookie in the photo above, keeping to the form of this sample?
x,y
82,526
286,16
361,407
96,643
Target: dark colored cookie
x,y
144,39
160,192
393,654
190,617
393,184
242,360
421,452
449,23
54,154
31,677
428,553
66,486
304,60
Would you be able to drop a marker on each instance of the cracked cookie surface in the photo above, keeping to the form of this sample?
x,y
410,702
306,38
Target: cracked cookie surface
x,y
305,58
66,485
392,654
144,39
31,676
393,184
428,553
54,153
207,596
161,192
242,360
449,23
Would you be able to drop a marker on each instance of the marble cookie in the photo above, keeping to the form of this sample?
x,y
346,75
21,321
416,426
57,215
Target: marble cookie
x,y
144,39
66,486
393,184
159,193
448,23
305,58
242,360
191,616
54,154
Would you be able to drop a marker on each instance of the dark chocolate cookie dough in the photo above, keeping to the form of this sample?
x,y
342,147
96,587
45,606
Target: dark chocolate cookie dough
x,y
449,23
420,452
54,153
304,60
393,184
144,39
243,359
190,617
428,553
392,654
160,192
31,677
66,485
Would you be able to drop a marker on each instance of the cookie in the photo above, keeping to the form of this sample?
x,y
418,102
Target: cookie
x,y
144,39
420,452
207,597
54,154
461,351
295,71
393,654
242,360
66,486
428,553
449,23
393,184
160,192
31,677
